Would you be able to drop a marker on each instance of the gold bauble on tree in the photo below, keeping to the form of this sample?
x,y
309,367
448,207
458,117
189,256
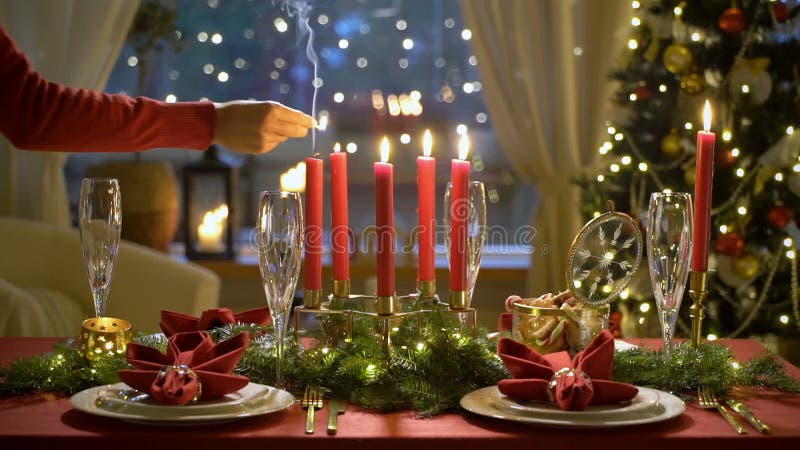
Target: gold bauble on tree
x,y
678,58
693,83
689,176
746,266
671,144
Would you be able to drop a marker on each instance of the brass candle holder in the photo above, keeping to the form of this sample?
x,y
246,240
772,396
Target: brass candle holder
x,y
426,288
698,290
341,288
458,300
104,337
312,298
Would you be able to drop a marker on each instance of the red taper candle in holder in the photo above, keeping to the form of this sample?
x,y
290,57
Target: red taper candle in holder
x,y
459,212
384,221
313,233
340,224
426,207
704,175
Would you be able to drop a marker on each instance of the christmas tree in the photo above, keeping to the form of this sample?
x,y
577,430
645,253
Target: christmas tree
x,y
744,56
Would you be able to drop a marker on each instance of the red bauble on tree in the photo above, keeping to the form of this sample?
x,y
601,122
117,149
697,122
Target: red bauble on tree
x,y
780,216
732,20
730,244
643,92
781,11
724,158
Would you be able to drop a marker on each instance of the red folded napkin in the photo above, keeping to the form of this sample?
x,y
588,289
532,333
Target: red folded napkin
x,y
194,366
577,383
175,322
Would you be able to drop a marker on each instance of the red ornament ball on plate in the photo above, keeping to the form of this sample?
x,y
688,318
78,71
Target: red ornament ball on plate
x,y
730,244
780,216
781,11
724,158
732,21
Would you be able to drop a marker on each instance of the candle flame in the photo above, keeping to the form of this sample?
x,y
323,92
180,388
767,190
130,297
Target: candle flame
x,y
427,143
294,179
337,147
385,149
707,116
463,147
215,217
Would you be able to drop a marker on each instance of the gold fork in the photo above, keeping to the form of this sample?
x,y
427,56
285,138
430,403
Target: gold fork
x,y
311,399
708,400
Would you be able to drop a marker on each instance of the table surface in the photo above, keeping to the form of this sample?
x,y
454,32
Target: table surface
x,y
39,421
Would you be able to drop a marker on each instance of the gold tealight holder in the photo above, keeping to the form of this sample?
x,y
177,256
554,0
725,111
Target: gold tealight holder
x,y
104,337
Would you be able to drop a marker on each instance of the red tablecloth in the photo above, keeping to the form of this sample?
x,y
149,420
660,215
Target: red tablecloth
x,y
35,422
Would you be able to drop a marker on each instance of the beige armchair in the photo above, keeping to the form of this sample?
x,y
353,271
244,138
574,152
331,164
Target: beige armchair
x,y
44,290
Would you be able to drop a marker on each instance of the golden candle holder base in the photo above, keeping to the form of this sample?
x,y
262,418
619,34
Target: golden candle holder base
x,y
698,290
426,288
341,288
340,319
104,337
459,300
312,298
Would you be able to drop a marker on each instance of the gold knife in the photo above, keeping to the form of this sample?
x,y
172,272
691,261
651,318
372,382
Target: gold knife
x,y
336,406
747,413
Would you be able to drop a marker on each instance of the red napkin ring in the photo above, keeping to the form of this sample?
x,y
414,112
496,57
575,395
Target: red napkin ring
x,y
180,375
568,376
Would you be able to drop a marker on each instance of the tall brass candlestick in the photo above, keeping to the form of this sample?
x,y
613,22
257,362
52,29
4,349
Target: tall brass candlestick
x,y
698,290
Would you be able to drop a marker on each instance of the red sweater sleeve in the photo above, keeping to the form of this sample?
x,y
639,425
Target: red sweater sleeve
x,y
36,114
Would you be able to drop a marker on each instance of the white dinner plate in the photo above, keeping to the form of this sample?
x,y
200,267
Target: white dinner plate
x,y
645,399
482,402
252,400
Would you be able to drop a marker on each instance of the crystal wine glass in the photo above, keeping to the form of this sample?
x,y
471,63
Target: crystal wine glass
x,y
669,246
100,217
280,247
476,230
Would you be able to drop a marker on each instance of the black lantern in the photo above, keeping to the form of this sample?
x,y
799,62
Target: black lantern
x,y
209,199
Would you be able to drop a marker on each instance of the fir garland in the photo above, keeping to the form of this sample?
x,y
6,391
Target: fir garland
x,y
428,376
710,365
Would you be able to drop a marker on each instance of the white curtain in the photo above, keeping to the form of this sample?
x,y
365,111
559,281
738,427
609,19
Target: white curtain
x,y
73,42
544,67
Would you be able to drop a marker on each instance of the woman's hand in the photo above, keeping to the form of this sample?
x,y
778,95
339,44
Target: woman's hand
x,y
258,127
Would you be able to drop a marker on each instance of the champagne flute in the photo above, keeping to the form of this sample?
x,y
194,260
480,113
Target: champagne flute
x,y
476,230
669,246
280,247
100,220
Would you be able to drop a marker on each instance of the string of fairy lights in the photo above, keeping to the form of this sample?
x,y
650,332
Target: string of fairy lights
x,y
743,168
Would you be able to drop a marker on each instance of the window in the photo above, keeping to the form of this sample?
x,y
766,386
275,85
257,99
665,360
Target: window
x,y
386,67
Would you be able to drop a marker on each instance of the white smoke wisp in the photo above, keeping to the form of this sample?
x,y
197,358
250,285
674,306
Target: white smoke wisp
x,y
301,9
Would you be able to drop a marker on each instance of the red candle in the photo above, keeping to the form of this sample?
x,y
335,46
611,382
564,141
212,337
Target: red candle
x,y
459,211
704,175
340,232
426,198
313,224
384,221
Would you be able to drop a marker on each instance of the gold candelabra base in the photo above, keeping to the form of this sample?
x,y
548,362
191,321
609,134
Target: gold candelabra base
x,y
340,319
